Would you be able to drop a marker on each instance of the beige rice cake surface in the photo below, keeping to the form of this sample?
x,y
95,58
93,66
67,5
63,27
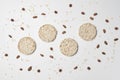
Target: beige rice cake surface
x,y
87,31
26,45
69,47
47,33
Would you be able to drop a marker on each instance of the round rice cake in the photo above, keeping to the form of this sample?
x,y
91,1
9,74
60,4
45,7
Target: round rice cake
x,y
69,47
47,33
26,45
87,31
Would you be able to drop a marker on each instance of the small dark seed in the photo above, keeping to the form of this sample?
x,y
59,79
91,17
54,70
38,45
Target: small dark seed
x,y
30,68
12,20
116,28
63,32
91,18
23,9
98,46
41,55
106,20
116,39
83,13
6,55
60,70
10,36
43,14
18,56
55,12
51,56
99,60
105,42
104,31
88,68
70,5
103,53
95,14
22,28
38,70
20,69
64,26
35,17
75,67
51,48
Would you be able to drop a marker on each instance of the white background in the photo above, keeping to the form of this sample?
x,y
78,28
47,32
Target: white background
x,y
87,54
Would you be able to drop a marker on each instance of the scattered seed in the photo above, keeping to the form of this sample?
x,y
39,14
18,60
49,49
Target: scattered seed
x,y
63,32
30,68
43,14
106,20
105,42
76,67
60,70
51,48
21,69
98,46
91,18
12,20
95,14
10,36
88,68
64,26
98,60
55,12
35,17
22,28
41,55
23,9
51,56
70,5
6,55
38,70
104,31
116,28
103,53
116,39
18,56
83,13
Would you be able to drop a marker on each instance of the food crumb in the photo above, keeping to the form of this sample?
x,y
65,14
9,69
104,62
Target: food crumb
x,y
63,32
116,39
30,68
